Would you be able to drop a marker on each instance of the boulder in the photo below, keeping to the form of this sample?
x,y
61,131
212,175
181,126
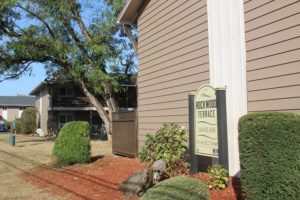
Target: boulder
x,y
136,184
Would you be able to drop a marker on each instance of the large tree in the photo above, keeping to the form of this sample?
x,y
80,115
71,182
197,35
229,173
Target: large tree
x,y
77,40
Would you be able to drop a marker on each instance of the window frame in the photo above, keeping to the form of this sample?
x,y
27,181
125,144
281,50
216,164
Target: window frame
x,y
69,91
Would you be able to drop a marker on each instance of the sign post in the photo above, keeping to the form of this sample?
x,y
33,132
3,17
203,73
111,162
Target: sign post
x,y
208,128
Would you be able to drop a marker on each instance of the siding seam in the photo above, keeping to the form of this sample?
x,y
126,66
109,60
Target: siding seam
x,y
177,71
271,22
273,55
286,86
272,11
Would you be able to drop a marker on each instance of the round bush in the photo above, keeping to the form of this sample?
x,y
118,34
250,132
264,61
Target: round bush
x,y
72,146
28,120
269,145
179,187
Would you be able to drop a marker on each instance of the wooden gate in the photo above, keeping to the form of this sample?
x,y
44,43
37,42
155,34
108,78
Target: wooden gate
x,y
124,133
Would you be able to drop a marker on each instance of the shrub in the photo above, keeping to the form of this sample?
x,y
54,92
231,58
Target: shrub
x,y
72,145
29,120
269,145
169,144
178,188
18,126
218,177
7,124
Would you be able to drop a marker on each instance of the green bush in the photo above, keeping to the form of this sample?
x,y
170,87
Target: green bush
x,y
269,145
72,145
178,188
169,144
7,124
18,126
218,177
29,120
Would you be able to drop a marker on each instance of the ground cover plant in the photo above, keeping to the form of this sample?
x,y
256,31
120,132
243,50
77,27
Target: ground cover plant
x,y
269,145
72,146
169,144
218,177
179,187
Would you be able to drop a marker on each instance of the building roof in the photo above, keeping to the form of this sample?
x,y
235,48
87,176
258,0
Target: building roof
x,y
39,87
17,100
129,13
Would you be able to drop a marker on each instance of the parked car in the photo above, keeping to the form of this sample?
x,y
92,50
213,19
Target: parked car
x,y
3,128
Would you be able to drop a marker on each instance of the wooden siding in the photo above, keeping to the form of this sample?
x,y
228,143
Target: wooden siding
x,y
173,61
273,49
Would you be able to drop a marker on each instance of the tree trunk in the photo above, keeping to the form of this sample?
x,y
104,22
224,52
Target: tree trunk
x,y
99,108
127,30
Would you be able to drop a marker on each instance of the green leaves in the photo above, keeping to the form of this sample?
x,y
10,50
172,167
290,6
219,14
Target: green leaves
x,y
169,144
270,155
218,177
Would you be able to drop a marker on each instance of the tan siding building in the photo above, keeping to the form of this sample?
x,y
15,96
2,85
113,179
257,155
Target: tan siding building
x,y
249,47
11,107
42,104
273,49
173,61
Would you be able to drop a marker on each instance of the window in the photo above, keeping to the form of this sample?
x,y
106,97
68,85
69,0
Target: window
x,y
64,118
4,108
66,91
22,108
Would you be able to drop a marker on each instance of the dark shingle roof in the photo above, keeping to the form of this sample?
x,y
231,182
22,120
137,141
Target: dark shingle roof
x,y
17,100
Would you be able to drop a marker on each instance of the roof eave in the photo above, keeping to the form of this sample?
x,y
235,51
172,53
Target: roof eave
x,y
129,13
38,88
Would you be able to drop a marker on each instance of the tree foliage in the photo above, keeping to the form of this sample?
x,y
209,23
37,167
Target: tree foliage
x,y
75,39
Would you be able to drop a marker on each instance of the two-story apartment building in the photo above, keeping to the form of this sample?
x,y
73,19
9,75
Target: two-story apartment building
x,y
59,103
11,107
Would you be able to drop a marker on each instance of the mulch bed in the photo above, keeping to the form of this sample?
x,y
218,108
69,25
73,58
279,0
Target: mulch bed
x,y
232,192
97,180
101,178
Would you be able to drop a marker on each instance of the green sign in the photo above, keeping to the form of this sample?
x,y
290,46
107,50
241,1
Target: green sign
x,y
206,130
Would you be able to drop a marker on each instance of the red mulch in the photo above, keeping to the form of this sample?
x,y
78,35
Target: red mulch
x,y
97,180
232,192
101,179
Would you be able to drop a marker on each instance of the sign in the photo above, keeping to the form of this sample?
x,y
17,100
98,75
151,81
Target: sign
x,y
206,130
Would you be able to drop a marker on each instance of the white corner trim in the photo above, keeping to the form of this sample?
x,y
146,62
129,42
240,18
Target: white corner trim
x,y
227,57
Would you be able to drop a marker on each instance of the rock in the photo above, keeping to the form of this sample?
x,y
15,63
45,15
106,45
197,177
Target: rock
x,y
136,184
159,165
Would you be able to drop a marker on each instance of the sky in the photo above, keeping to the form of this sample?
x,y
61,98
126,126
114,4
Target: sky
x,y
25,84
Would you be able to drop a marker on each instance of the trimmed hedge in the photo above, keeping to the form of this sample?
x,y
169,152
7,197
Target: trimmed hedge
x,y
179,187
269,145
72,146
28,120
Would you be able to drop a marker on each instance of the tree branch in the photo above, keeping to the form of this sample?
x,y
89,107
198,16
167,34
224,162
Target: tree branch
x,y
16,75
78,19
39,18
127,30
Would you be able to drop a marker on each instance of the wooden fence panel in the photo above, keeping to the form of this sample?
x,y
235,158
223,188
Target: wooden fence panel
x,y
124,137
